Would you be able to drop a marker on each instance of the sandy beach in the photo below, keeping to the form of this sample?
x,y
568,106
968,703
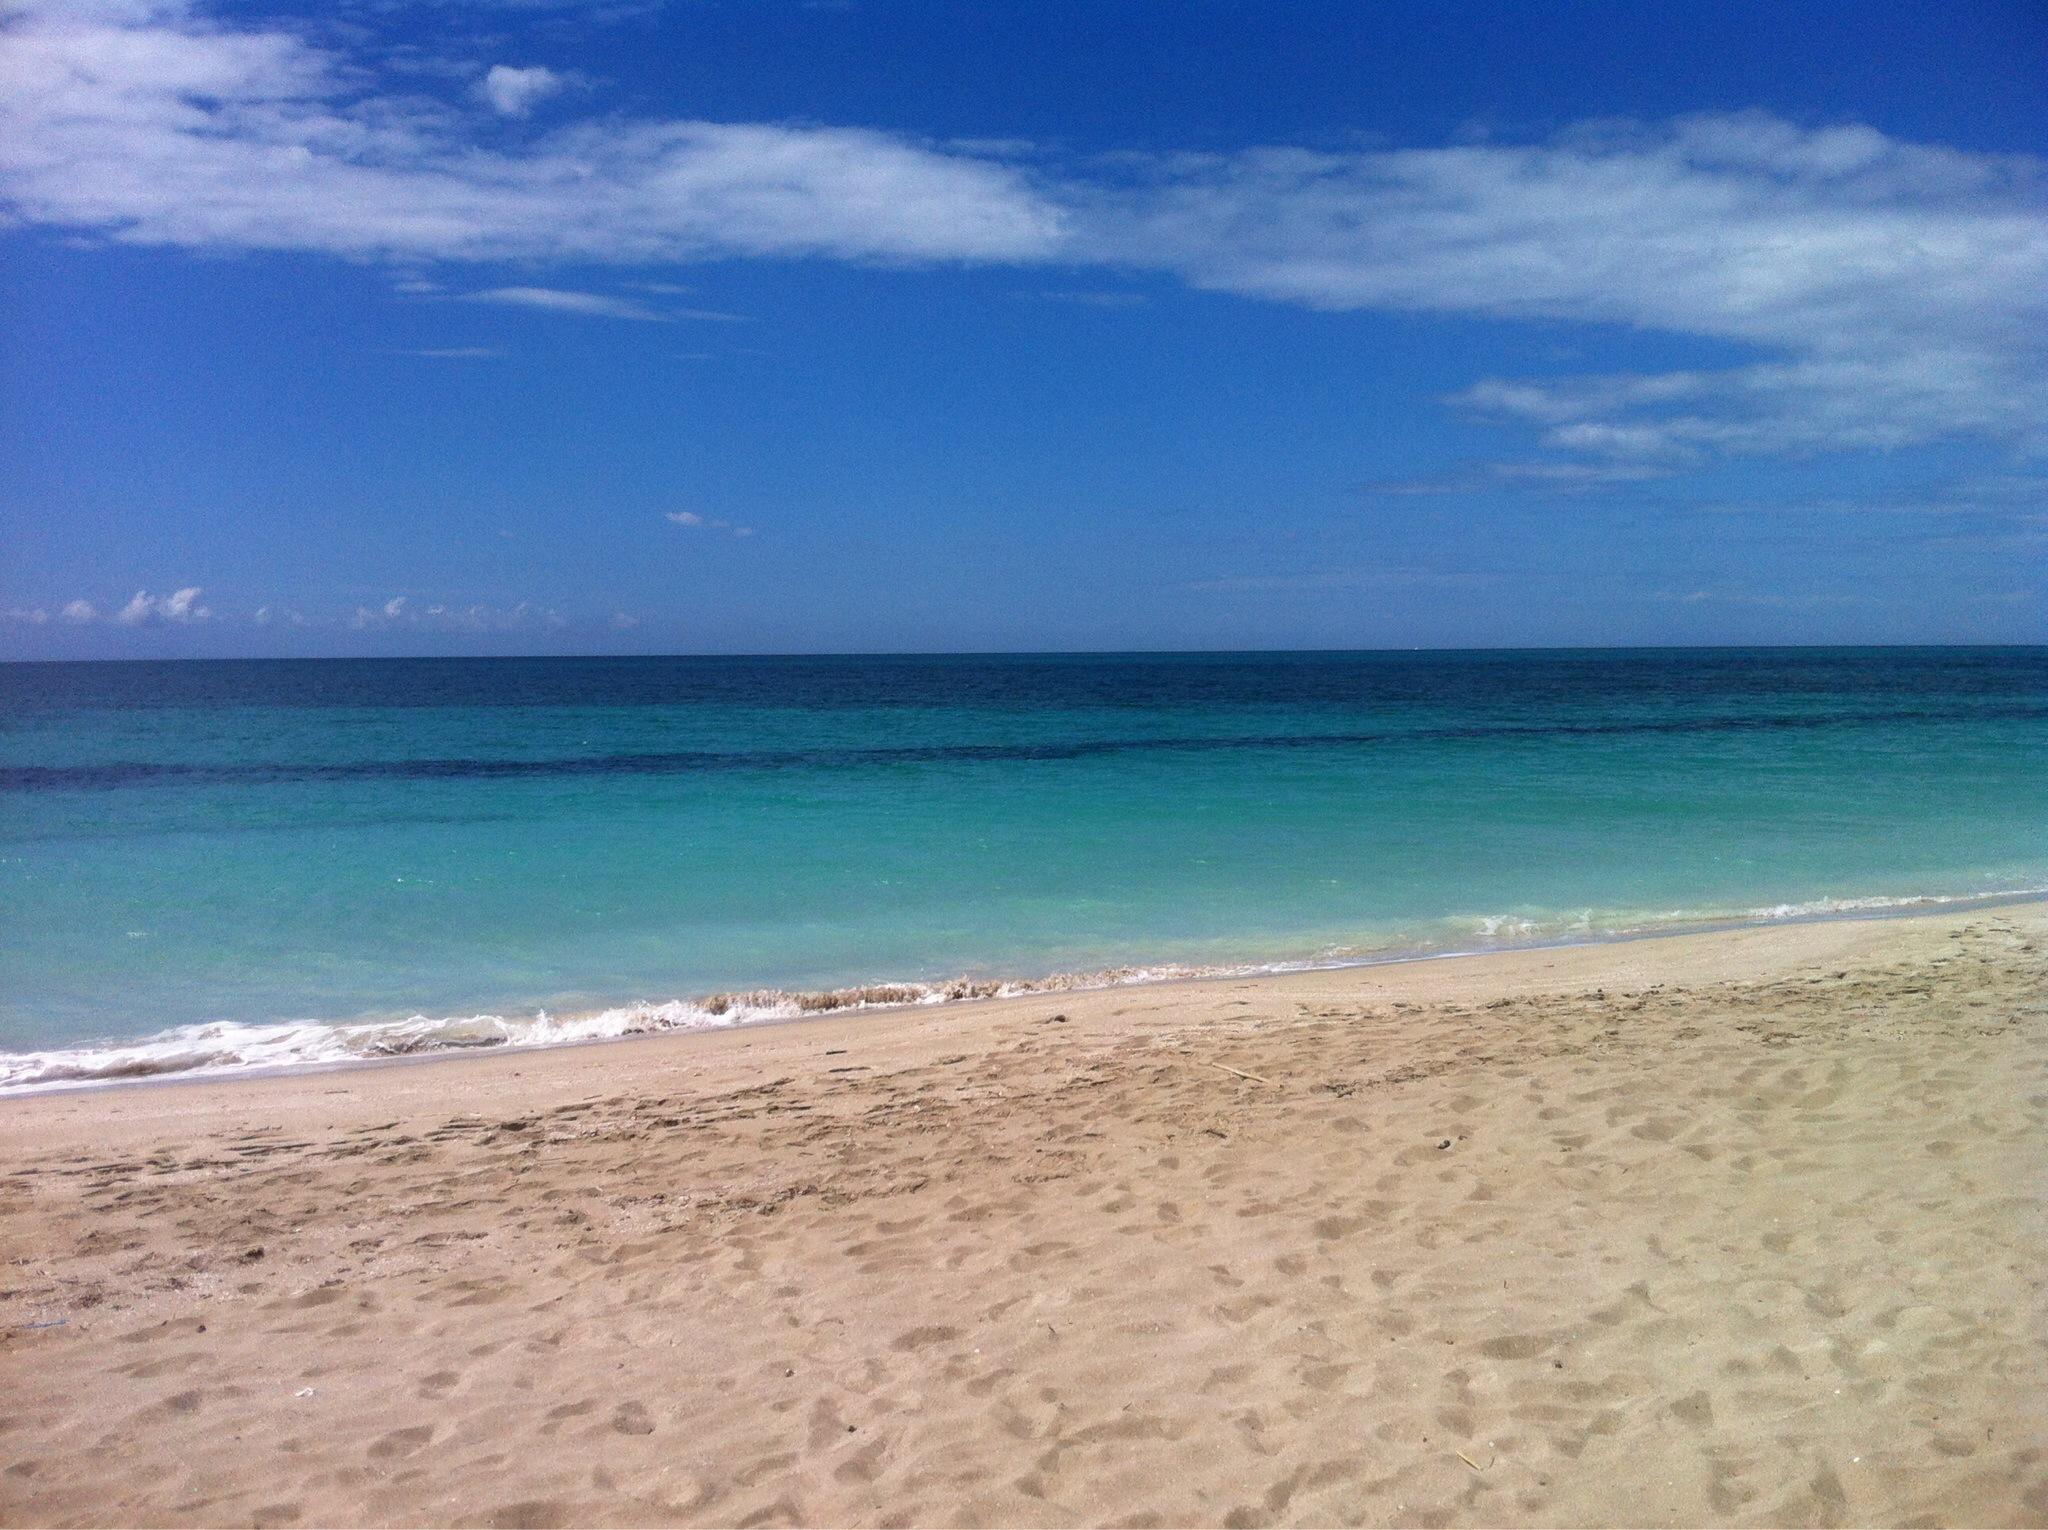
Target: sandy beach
x,y
1743,1227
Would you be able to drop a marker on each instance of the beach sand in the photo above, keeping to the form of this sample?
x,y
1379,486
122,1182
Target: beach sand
x,y
1744,1227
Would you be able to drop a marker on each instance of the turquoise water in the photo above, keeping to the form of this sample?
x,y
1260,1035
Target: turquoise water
x,y
235,845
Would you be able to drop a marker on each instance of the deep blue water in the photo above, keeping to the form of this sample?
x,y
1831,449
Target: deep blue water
x,y
251,842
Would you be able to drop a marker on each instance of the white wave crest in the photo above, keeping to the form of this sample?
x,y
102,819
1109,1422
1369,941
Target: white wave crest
x,y
224,1047
1506,930
228,1047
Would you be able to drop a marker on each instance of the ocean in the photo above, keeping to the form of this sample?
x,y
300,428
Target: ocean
x,y
207,866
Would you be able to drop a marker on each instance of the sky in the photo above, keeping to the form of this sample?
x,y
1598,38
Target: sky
x,y
697,326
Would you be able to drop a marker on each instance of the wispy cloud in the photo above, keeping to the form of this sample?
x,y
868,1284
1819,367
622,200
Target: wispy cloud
x,y
1762,599
402,613
590,304
1897,292
452,352
1533,477
696,522
1090,299
678,289
1381,577
2010,499
1890,293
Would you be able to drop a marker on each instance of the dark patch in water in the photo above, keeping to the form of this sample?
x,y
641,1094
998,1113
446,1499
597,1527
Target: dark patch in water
x,y
118,774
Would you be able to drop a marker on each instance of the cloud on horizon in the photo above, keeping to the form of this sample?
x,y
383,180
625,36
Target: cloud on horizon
x,y
401,613
1893,294
179,606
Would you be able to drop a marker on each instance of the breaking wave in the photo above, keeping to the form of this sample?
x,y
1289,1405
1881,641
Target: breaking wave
x,y
227,1047
230,1047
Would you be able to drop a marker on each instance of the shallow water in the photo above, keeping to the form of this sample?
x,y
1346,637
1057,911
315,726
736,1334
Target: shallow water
x,y
457,846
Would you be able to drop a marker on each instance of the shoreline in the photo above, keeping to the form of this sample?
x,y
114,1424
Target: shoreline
x,y
799,1004
1737,1227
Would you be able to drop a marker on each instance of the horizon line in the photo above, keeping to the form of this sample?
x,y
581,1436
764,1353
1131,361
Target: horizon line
x,y
1020,653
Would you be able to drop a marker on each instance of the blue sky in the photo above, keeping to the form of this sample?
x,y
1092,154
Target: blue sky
x,y
758,325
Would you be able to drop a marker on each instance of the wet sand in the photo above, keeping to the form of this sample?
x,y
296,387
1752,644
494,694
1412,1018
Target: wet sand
x,y
1745,1227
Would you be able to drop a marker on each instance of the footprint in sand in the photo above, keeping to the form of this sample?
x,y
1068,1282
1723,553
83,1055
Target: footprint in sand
x,y
632,1418
915,1339
1515,1346
400,1443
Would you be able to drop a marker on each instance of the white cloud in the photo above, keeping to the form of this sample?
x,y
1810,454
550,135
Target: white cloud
x,y
1899,293
80,611
1889,293
33,616
555,300
178,606
154,124
624,621
515,92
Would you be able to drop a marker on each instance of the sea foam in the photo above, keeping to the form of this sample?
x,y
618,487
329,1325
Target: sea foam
x,y
230,1047
227,1047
